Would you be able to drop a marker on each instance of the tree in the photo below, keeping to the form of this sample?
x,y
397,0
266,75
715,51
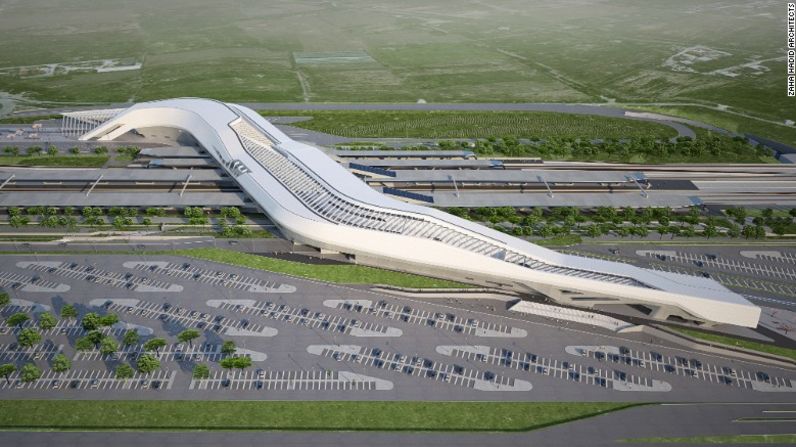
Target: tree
x,y
124,371
201,371
734,231
109,320
188,335
108,345
231,212
594,230
641,231
95,337
689,231
760,232
84,344
29,373
74,150
767,213
228,347
47,321
236,362
90,321
52,151
6,370
4,299
17,319
710,231
131,337
61,363
748,231
147,363
18,221
155,344
68,311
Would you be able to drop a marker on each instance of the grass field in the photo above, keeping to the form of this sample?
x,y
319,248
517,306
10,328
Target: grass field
x,y
741,343
342,273
441,124
296,415
64,161
27,119
724,120
498,51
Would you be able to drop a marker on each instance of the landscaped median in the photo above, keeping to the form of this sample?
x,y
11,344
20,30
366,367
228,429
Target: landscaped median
x,y
57,161
337,273
142,415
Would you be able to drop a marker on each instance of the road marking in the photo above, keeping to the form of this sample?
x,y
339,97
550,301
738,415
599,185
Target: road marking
x,y
303,317
421,367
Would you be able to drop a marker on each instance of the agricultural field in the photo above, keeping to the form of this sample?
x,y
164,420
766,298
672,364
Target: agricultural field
x,y
365,50
443,124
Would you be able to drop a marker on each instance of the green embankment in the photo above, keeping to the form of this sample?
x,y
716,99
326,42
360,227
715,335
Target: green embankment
x,y
292,415
28,119
70,161
739,342
337,273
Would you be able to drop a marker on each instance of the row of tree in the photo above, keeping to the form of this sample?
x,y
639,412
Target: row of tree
x,y
107,345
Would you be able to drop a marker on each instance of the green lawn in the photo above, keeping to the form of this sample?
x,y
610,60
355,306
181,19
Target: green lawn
x,y
445,124
65,161
28,119
741,343
337,273
559,241
726,439
291,415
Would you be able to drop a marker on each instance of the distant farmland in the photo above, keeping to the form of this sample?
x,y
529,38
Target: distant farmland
x,y
366,50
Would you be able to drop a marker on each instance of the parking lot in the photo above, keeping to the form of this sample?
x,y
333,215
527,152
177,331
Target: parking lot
x,y
261,380
311,340
441,320
307,318
534,364
183,317
679,365
25,283
722,263
185,270
765,276
73,270
94,379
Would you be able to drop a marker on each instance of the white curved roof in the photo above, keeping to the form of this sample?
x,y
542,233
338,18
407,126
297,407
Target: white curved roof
x,y
317,201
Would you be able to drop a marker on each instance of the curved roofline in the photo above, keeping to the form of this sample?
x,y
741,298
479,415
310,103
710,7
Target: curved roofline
x,y
287,177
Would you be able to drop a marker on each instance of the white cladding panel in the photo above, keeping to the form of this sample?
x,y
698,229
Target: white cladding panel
x,y
211,123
